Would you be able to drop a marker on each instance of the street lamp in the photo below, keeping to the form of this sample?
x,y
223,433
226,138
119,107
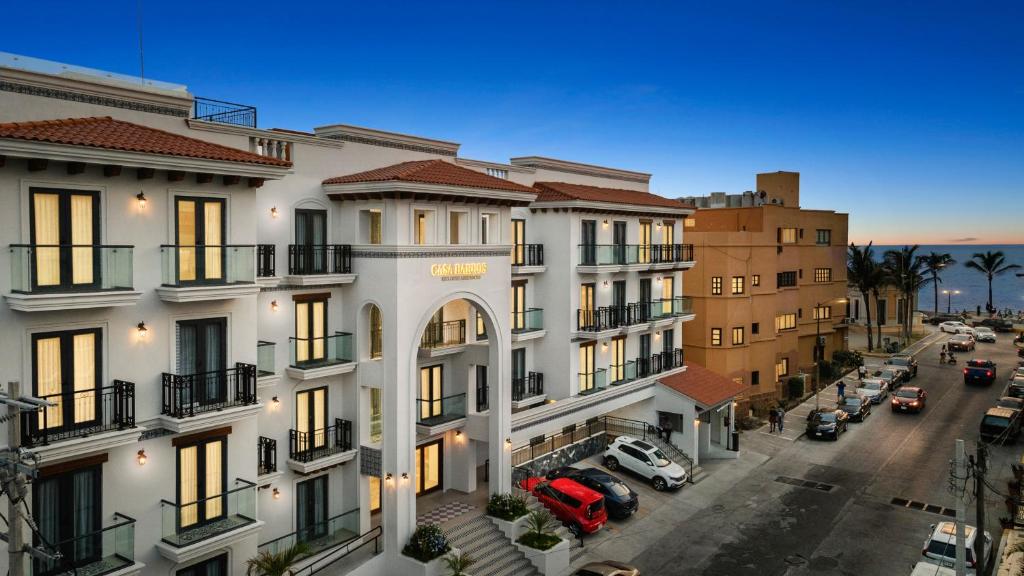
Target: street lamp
x,y
817,340
949,298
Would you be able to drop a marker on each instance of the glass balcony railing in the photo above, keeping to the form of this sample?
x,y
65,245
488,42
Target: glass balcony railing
x,y
57,268
529,320
186,395
207,265
265,358
440,410
622,373
309,353
444,334
319,536
595,381
624,254
191,522
108,549
79,414
316,444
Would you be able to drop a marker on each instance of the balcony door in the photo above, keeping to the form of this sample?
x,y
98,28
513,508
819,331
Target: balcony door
x,y
68,510
644,250
199,229
202,354
645,299
65,229
518,363
668,289
311,419
518,306
587,367
311,509
618,363
202,482
310,331
587,305
431,378
310,241
588,242
518,242
668,341
66,368
619,240
429,459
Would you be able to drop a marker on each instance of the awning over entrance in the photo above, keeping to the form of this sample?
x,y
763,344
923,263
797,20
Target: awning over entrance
x,y
705,387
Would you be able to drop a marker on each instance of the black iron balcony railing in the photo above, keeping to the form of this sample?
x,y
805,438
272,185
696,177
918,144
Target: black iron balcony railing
x,y
528,255
190,394
212,110
319,259
610,317
440,410
659,362
662,253
316,444
444,334
266,449
528,386
79,414
266,260
102,551
39,268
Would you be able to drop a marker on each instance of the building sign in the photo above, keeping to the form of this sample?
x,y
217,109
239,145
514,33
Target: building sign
x,y
467,271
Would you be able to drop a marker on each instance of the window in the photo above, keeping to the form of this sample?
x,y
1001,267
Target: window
x,y
64,227
737,336
68,511
431,391
716,336
737,284
376,416
587,380
482,395
310,419
199,234
376,333
787,235
376,227
217,566
668,340
518,242
755,280
487,232
716,285
617,368
822,312
518,366
785,279
823,237
781,369
755,328
202,349
755,378
456,227
422,233
311,509
668,233
644,255
481,327
201,481
799,312
667,293
497,173
66,368
588,242
822,274
587,305
518,306
374,494
310,330
785,322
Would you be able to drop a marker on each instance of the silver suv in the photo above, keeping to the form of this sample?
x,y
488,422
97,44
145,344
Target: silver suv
x,y
646,460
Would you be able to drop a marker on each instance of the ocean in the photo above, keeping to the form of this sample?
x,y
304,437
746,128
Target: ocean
x,y
1007,289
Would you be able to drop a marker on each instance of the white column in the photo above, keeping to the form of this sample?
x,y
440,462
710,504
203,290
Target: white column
x,y
462,469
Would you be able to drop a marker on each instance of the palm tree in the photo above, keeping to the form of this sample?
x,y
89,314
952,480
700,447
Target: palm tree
x,y
991,264
863,273
458,563
904,269
934,263
275,564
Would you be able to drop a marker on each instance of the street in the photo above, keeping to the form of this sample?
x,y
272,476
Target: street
x,y
762,520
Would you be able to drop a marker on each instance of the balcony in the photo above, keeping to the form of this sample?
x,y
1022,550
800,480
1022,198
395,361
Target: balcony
x,y
623,373
318,265
606,318
659,363
318,537
67,277
318,449
192,401
627,257
210,110
230,518
527,324
527,390
674,255
311,358
593,382
527,259
266,365
109,549
441,414
442,338
266,450
266,265
83,421
210,272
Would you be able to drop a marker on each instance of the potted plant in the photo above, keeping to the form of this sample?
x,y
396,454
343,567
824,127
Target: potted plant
x,y
546,551
458,562
427,546
508,512
276,564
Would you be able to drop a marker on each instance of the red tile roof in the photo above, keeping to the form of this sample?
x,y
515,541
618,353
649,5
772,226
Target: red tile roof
x,y
105,132
560,191
432,172
704,386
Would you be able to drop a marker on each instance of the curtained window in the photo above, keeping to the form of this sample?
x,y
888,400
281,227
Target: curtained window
x,y
66,372
202,353
311,508
200,239
65,232
376,333
311,418
201,482
430,391
68,509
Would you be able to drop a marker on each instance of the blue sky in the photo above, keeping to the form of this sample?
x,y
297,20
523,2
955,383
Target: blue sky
x,y
907,115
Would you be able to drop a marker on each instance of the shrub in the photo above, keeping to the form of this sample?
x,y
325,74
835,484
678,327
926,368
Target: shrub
x,y
427,543
538,531
795,386
508,507
267,564
847,359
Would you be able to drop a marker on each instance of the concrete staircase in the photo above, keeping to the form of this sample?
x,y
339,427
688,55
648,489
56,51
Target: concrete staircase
x,y
676,455
495,555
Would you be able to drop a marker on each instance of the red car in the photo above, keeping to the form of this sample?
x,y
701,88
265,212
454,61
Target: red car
x,y
909,399
570,502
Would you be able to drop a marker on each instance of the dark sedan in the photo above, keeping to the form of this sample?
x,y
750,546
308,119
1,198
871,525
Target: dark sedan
x,y
619,499
856,407
905,360
823,423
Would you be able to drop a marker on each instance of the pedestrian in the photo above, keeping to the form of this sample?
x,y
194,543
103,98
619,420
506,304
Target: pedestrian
x,y
782,418
773,419
862,371
667,428
841,389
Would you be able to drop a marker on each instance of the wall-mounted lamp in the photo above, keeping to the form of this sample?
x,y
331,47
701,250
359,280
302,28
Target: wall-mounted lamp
x,y
141,457
274,213
604,346
142,200
142,330
696,421
405,476
657,335
604,224
458,433
658,279
605,284
274,307
277,494
387,477
658,226
508,442
275,400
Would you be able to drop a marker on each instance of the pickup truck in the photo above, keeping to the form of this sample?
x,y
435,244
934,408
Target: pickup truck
x,y
980,372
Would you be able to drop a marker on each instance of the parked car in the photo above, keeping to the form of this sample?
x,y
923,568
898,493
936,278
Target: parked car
x,y
824,423
979,372
607,568
997,324
909,399
620,501
874,390
940,547
984,334
929,569
1000,425
961,343
1015,389
894,375
646,460
1018,372
956,327
1010,402
570,502
856,407
907,361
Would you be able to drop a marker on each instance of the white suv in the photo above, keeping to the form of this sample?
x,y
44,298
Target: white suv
x,y
646,460
940,547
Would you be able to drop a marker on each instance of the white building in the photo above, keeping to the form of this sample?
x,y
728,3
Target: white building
x,y
256,337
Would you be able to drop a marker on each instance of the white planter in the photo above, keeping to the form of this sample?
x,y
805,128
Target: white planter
x,y
550,562
435,567
513,529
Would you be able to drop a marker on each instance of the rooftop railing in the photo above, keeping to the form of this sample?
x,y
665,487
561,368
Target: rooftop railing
x,y
211,110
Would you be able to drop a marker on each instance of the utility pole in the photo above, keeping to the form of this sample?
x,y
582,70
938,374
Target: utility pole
x,y
15,483
961,510
980,467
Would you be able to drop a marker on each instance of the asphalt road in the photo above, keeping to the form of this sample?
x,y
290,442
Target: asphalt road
x,y
765,527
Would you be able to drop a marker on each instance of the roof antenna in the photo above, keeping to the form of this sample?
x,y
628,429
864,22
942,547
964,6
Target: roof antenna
x,y
142,60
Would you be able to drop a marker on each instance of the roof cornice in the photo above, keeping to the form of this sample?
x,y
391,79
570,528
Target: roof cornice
x,y
81,88
580,168
496,165
373,137
261,133
612,207
338,191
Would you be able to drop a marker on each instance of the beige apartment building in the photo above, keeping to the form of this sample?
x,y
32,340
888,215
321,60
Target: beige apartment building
x,y
768,277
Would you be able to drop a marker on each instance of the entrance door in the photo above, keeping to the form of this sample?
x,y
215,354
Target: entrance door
x,y
619,239
68,511
588,242
65,230
199,225
428,467
202,353
201,482
311,509
311,419
431,378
